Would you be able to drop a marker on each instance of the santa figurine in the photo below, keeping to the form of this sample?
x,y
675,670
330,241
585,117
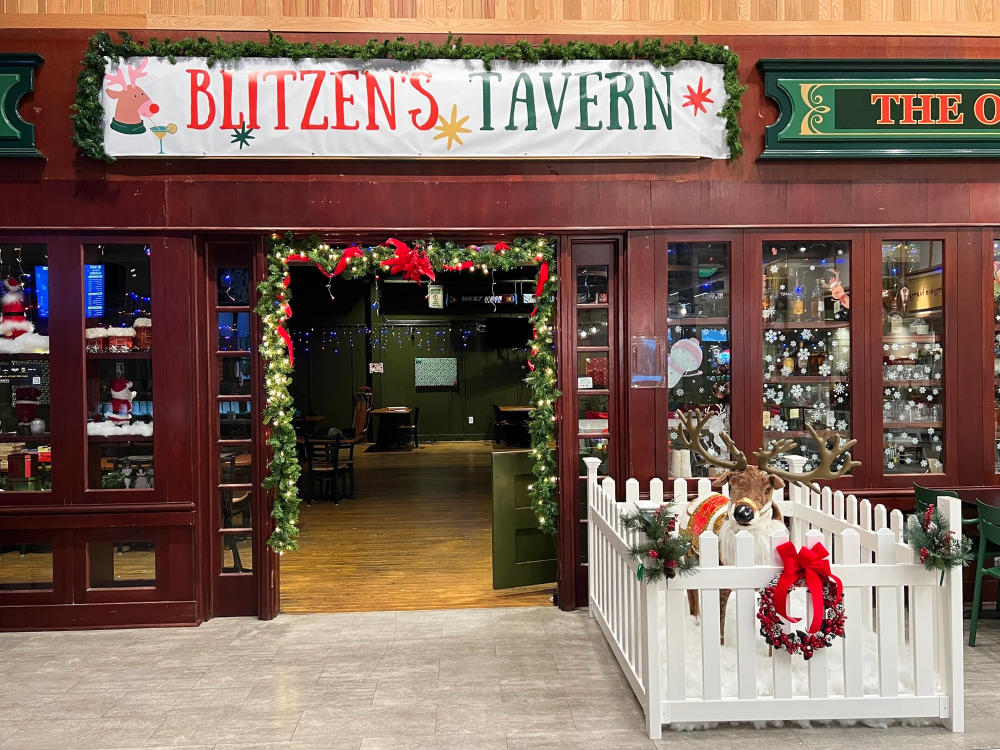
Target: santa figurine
x,y
15,321
121,401
27,398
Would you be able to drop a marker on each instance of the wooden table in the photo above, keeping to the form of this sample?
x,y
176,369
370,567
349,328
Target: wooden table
x,y
386,436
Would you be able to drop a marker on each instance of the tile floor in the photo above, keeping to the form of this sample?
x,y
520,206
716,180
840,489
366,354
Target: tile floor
x,y
501,679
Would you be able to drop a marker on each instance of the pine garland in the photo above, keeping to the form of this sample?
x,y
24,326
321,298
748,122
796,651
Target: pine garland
x,y
88,132
938,549
661,554
275,309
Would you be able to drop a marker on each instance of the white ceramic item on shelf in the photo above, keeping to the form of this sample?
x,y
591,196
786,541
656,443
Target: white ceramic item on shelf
x,y
37,426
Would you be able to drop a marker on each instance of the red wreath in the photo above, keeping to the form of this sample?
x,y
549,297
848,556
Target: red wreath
x,y
810,568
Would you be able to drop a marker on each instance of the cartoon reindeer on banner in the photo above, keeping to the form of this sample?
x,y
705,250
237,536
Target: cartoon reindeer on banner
x,y
750,504
133,102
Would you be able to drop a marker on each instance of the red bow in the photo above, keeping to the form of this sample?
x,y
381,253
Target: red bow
x,y
413,264
352,252
461,266
543,276
501,247
813,565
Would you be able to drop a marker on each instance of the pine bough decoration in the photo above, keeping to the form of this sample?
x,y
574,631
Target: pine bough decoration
x,y
938,549
416,261
662,554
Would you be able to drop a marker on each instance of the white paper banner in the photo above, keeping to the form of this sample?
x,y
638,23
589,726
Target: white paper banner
x,y
262,107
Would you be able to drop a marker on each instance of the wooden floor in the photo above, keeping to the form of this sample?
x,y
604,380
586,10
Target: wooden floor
x,y
418,536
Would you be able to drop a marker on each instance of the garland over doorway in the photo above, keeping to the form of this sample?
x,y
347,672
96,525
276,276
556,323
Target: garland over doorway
x,y
416,262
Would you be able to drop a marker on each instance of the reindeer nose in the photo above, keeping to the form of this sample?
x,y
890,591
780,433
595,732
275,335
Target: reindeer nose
x,y
154,108
743,514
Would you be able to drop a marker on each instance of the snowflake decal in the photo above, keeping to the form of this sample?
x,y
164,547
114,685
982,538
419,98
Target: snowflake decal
x,y
768,358
768,313
771,336
678,329
824,369
786,371
778,424
923,463
907,460
888,451
796,391
838,388
673,434
842,365
679,391
841,425
807,334
769,394
888,436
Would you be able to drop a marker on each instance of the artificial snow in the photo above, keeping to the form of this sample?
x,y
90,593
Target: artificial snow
x,y
26,343
800,669
110,429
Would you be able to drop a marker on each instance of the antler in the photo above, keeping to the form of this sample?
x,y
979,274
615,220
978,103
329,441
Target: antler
x,y
117,78
827,455
135,72
690,431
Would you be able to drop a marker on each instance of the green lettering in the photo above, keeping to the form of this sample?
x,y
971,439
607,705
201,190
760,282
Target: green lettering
x,y
651,92
487,106
527,98
586,101
554,112
619,95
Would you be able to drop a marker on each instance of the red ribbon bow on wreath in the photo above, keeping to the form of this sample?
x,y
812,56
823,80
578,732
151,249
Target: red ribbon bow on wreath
x,y
812,565
413,263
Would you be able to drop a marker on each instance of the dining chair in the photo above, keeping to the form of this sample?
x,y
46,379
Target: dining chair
x,y
410,430
989,549
323,467
357,433
501,426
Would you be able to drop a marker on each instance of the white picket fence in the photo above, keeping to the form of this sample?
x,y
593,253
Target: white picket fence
x,y
901,657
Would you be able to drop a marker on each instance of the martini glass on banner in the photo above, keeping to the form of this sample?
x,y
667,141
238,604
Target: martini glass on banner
x,y
160,131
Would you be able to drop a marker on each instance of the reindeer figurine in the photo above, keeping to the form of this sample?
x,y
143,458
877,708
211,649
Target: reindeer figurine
x,y
750,504
133,102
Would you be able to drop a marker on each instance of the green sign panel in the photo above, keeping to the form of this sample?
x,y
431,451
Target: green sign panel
x,y
850,109
17,78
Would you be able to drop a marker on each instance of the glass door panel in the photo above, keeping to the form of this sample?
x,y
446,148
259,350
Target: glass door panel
x,y
913,356
698,336
806,307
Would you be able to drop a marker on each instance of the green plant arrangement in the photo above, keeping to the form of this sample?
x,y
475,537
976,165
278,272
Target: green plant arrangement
x,y
938,549
416,261
88,133
113,480
661,555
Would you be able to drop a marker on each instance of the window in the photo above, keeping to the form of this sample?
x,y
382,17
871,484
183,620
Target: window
x,y
806,306
119,341
913,357
698,367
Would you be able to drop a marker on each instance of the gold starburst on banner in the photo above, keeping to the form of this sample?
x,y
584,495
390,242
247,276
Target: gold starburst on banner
x,y
451,129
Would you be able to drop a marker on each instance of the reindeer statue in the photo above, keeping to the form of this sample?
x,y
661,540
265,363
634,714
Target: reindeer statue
x,y
750,504
133,102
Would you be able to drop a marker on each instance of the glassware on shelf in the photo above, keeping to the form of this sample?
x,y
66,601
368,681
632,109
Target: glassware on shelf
x,y
913,355
806,348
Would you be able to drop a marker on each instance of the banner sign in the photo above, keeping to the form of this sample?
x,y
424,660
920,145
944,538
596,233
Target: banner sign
x,y
17,78
881,108
441,109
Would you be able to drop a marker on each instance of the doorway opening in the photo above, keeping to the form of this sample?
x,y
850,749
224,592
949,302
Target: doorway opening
x,y
412,406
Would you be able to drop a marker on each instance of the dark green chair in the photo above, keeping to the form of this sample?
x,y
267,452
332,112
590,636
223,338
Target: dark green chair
x,y
989,549
924,496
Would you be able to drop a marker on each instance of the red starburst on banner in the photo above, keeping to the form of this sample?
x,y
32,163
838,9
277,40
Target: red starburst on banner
x,y
698,99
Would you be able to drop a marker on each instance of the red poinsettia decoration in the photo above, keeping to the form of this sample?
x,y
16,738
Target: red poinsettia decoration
x,y
413,263
500,248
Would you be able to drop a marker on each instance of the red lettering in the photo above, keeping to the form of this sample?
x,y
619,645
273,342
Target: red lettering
x,y
432,114
280,76
311,103
252,97
884,101
340,99
227,103
910,108
980,109
199,85
949,109
388,108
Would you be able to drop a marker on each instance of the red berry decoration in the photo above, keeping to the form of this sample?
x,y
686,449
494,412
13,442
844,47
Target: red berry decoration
x,y
799,641
654,554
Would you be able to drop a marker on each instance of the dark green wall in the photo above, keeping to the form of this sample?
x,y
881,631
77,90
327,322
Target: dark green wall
x,y
491,364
